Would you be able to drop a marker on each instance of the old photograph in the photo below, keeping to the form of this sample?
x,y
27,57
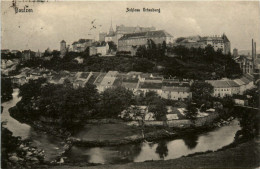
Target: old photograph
x,y
130,84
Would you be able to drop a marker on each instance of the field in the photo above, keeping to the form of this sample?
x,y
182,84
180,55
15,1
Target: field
x,y
101,132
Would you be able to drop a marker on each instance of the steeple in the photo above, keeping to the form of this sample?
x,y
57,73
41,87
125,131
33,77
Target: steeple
x,y
111,30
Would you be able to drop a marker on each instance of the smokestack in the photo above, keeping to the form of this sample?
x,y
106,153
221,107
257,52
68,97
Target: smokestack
x,y
253,57
255,50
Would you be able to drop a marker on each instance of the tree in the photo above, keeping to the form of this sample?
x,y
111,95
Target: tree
x,y
155,105
201,92
192,111
7,89
162,149
115,100
32,89
112,46
9,144
209,53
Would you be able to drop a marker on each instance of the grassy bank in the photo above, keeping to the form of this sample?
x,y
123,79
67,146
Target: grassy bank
x,y
245,155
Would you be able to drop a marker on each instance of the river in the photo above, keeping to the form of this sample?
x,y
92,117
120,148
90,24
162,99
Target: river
x,y
51,145
161,150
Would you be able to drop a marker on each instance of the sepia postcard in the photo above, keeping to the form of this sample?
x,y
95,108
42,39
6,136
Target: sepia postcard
x,y
130,84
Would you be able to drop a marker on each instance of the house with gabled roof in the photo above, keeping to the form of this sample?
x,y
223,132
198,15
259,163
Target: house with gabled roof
x,y
149,86
221,88
176,91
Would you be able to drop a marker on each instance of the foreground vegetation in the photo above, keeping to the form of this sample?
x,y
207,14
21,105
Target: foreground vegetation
x,y
69,108
6,89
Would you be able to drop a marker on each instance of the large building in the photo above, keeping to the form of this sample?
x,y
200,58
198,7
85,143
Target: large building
x,y
122,29
217,42
130,42
81,45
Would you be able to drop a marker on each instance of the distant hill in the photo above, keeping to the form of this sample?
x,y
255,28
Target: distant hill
x,y
245,52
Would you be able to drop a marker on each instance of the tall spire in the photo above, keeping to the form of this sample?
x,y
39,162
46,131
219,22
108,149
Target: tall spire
x,y
111,30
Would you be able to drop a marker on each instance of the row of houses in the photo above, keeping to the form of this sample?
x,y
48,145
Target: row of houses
x,y
137,82
228,87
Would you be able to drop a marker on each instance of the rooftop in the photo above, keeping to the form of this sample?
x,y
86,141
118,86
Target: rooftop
x,y
223,83
107,81
130,85
148,34
99,78
176,89
84,75
145,85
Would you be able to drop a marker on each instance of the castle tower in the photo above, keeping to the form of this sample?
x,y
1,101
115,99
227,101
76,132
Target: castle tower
x,y
63,48
235,52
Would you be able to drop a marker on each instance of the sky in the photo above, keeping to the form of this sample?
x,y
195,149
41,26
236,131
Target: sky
x,y
51,22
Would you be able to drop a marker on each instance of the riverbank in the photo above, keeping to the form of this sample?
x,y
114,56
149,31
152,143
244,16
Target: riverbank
x,y
106,132
17,153
245,155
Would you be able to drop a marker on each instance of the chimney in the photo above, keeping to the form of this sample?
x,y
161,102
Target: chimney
x,y
253,57
255,50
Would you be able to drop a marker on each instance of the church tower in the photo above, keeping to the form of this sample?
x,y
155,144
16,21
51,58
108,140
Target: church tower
x,y
111,30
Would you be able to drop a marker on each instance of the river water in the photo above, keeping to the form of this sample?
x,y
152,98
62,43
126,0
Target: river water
x,y
51,145
161,150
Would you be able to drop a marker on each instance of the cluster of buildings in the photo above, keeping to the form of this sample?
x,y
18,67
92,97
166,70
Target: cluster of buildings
x,y
216,41
95,47
8,51
228,87
250,63
137,82
128,39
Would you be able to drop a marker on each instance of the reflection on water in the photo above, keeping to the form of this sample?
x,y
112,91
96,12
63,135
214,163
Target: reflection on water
x,y
162,149
156,151
191,140
51,145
